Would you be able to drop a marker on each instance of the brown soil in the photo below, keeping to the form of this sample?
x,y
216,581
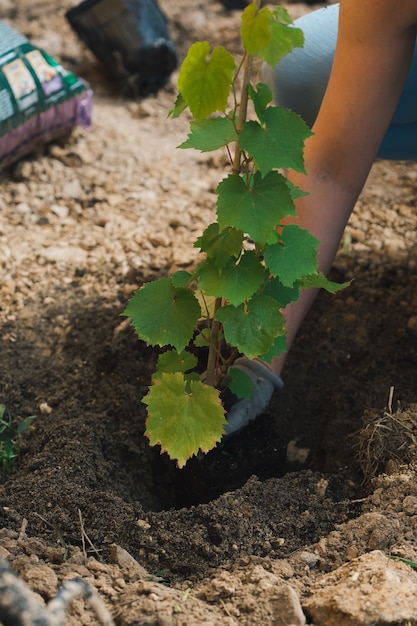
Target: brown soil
x,y
311,485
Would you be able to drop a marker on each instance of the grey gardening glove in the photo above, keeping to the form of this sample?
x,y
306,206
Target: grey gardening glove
x,y
242,411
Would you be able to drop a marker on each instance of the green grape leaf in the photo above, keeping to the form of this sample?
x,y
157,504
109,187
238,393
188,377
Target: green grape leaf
x,y
183,416
207,304
295,257
179,107
282,294
279,347
202,340
220,246
295,191
255,210
274,237
320,281
280,144
181,278
173,361
236,282
261,97
240,383
282,15
210,134
252,327
205,83
192,376
163,314
267,34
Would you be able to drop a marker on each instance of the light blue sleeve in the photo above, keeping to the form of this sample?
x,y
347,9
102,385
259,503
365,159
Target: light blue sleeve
x,y
299,81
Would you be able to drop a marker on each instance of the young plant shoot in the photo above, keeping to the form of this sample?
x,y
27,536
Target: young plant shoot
x,y
253,265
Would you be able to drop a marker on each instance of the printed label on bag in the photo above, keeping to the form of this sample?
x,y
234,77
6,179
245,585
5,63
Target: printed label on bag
x,y
31,81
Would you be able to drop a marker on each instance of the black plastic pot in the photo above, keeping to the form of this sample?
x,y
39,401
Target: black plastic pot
x,y
130,38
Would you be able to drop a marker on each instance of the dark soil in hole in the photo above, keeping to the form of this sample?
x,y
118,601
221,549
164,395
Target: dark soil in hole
x,y
89,457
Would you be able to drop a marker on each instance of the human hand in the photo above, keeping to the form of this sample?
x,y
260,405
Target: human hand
x,y
243,411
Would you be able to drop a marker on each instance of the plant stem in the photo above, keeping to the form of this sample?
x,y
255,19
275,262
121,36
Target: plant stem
x,y
243,108
211,378
214,339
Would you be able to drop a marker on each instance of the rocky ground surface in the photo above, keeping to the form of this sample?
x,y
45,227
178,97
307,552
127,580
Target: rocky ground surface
x,y
295,520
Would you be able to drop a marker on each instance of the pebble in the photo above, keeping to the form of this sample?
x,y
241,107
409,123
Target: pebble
x,y
412,324
410,505
42,580
371,589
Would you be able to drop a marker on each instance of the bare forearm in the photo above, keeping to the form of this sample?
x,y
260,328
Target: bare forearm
x,y
324,213
373,55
